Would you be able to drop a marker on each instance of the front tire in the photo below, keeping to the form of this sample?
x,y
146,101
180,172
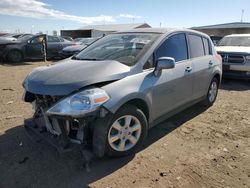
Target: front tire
x,y
15,56
123,134
212,92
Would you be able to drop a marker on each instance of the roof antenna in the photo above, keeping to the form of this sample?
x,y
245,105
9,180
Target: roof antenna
x,y
242,15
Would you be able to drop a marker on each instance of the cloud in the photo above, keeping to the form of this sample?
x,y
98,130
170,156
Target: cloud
x,y
40,10
129,16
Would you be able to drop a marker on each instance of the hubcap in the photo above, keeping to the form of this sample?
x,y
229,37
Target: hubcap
x,y
212,92
124,133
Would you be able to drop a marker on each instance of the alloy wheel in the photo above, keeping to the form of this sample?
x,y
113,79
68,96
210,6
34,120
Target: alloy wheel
x,y
213,91
124,133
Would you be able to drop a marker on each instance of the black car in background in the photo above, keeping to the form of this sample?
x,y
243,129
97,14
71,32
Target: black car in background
x,y
79,46
32,48
13,36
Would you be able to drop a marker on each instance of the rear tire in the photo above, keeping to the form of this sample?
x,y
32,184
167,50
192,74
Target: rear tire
x,y
15,56
212,92
122,135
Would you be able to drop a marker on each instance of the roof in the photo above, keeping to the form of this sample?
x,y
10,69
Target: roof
x,y
239,35
160,30
115,27
148,30
225,26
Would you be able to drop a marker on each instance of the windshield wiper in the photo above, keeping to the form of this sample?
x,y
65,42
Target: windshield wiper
x,y
87,59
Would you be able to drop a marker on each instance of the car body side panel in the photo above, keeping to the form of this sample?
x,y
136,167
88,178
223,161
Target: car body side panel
x,y
162,93
202,71
34,51
127,89
172,89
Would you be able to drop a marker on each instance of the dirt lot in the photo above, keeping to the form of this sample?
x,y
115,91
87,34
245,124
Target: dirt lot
x,y
196,148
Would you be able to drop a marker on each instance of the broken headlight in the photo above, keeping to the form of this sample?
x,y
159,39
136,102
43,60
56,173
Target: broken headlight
x,y
80,103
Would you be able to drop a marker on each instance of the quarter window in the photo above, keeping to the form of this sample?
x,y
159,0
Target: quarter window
x,y
196,46
175,47
207,47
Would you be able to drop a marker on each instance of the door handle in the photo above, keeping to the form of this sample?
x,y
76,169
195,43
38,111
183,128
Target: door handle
x,y
189,69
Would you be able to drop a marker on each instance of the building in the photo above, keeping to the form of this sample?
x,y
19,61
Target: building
x,y
220,30
100,30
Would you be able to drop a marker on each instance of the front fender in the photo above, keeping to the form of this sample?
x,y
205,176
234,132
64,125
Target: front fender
x,y
113,106
133,87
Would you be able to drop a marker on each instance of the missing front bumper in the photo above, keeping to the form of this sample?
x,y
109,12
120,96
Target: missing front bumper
x,y
59,143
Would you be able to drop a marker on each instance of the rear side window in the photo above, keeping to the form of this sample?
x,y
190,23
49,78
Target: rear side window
x,y
53,39
196,46
207,46
175,47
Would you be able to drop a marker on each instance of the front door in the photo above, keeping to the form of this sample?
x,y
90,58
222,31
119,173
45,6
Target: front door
x,y
173,87
35,47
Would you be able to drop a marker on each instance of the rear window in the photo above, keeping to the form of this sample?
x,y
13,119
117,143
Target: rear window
x,y
196,46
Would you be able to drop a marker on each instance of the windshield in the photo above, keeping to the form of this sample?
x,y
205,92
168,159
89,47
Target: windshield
x,y
88,41
25,37
235,41
125,48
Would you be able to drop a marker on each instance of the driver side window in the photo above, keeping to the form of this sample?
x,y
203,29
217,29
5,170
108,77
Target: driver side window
x,y
37,40
175,46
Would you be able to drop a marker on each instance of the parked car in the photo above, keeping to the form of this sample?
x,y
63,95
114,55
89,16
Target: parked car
x,y
2,34
31,47
110,94
235,52
13,37
68,38
74,49
216,39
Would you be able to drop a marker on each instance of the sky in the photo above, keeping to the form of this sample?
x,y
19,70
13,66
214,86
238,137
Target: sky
x,y
48,15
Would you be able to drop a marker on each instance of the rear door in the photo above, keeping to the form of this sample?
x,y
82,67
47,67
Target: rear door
x,y
202,62
54,45
173,87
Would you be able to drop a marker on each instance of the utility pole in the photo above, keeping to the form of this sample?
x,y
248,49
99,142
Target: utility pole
x,y
242,15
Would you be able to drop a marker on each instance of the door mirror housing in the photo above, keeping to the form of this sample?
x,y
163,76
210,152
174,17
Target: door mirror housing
x,y
164,63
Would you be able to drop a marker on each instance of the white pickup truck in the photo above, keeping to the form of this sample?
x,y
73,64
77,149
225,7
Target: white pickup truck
x,y
235,53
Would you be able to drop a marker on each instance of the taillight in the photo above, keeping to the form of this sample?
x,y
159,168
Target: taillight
x,y
218,56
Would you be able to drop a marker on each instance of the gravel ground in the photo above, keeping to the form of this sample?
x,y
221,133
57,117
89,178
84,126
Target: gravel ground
x,y
198,147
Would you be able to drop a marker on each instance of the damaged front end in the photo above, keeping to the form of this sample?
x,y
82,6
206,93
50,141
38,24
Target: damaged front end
x,y
65,122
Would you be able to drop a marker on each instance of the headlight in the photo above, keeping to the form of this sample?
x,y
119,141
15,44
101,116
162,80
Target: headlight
x,y
80,103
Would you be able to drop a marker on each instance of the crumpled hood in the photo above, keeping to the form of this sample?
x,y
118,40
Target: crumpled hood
x,y
233,49
74,48
70,75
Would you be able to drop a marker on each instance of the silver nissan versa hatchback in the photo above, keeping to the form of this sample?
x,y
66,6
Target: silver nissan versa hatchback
x,y
109,95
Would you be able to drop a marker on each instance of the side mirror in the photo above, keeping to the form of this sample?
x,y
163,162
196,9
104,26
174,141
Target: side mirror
x,y
164,63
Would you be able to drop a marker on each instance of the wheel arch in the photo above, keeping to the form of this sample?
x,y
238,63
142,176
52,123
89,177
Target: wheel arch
x,y
137,99
217,75
14,49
